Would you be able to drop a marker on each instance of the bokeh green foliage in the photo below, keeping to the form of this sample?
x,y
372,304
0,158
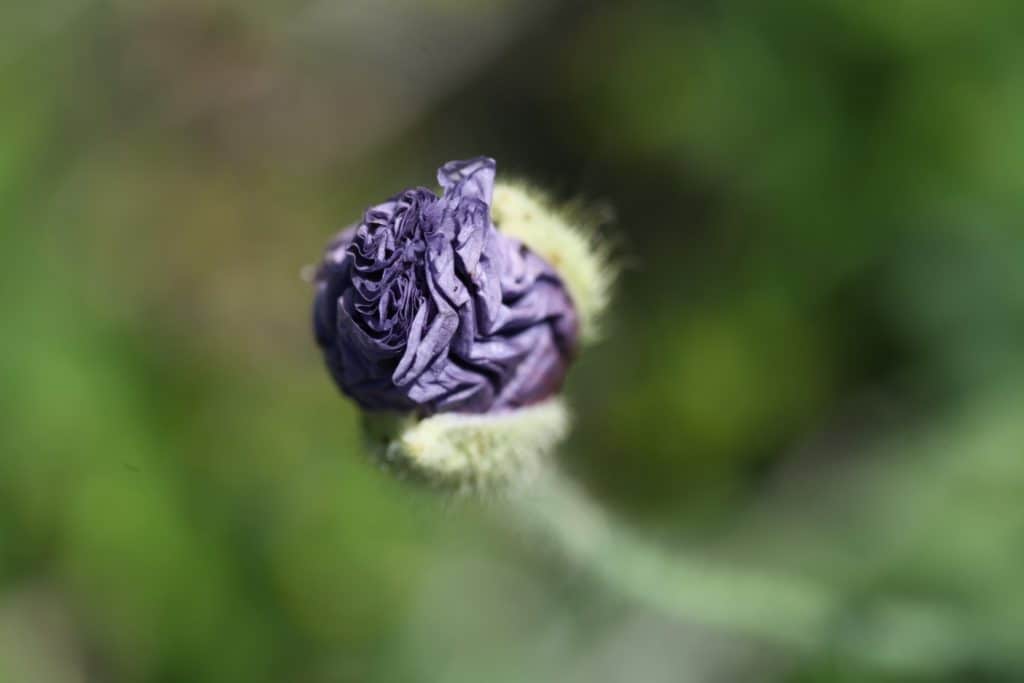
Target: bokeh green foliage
x,y
813,366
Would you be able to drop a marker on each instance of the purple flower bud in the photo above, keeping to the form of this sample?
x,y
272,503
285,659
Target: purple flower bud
x,y
426,307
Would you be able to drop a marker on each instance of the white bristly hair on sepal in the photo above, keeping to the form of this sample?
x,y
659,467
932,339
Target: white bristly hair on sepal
x,y
566,242
482,455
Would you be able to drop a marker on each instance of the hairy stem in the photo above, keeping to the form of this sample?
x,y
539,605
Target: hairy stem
x,y
798,614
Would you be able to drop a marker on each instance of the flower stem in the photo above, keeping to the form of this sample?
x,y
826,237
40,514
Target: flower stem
x,y
798,614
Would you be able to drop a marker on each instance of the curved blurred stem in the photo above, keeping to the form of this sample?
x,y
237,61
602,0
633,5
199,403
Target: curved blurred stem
x,y
789,611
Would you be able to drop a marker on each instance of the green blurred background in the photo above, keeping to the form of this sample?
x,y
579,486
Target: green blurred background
x,y
813,368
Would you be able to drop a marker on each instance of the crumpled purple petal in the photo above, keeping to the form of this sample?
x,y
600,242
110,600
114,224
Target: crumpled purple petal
x,y
426,307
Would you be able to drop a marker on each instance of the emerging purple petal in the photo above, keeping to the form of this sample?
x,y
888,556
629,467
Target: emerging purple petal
x,y
424,306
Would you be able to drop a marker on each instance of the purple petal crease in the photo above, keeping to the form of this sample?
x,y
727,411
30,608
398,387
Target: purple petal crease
x,y
425,306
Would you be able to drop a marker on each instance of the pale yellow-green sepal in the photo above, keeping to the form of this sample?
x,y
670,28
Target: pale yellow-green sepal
x,y
471,454
571,248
